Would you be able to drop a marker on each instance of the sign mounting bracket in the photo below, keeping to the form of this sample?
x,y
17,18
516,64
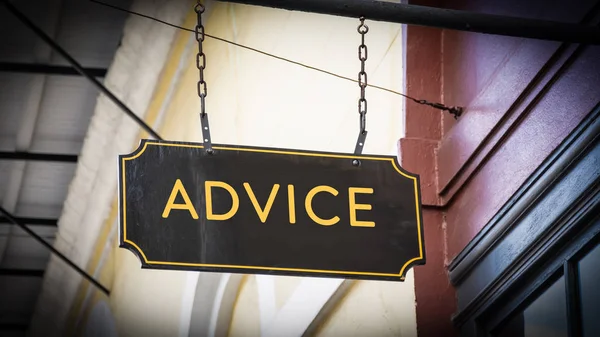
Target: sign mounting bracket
x,y
206,133
360,142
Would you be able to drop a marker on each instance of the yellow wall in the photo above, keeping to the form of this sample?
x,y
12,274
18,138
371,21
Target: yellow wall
x,y
260,101
373,309
255,100
246,316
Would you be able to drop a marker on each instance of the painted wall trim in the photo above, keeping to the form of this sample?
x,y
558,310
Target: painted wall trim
x,y
525,198
187,303
101,322
559,200
224,304
552,60
544,252
267,306
303,307
327,310
214,302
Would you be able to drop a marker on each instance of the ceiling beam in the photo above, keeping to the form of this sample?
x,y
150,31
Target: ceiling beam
x,y
80,69
441,18
29,114
13,326
55,251
31,221
21,272
48,69
64,158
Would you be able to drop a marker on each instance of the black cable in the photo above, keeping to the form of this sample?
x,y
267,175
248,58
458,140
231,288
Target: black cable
x,y
39,239
456,111
248,48
78,67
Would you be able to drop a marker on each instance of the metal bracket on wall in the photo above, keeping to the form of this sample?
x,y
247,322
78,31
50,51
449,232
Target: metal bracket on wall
x,y
455,111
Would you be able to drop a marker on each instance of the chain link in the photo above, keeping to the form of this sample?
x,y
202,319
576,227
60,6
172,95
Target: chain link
x,y
200,58
362,75
202,90
362,83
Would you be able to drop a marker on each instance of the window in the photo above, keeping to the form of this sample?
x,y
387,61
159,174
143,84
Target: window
x,y
589,280
546,316
567,306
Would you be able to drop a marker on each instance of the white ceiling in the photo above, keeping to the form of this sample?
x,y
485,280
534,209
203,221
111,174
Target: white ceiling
x,y
43,114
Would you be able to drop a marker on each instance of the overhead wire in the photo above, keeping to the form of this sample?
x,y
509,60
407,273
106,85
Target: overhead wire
x,y
456,111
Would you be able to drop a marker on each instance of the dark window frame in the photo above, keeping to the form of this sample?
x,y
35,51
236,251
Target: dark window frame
x,y
500,271
559,260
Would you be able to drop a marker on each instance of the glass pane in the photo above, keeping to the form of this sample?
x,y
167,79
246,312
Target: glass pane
x,y
546,316
589,280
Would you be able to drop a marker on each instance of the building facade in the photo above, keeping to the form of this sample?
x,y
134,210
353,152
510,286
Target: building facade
x,y
512,185
509,190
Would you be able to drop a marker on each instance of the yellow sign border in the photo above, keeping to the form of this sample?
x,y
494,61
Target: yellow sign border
x,y
143,146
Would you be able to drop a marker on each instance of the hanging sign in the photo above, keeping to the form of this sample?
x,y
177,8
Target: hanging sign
x,y
269,211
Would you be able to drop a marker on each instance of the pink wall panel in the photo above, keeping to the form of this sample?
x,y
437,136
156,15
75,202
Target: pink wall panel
x,y
522,98
569,99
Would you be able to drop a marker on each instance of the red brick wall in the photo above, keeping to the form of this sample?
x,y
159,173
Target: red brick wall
x,y
435,296
522,98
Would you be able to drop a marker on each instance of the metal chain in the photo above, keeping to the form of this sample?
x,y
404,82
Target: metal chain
x,y
200,57
362,83
362,75
202,89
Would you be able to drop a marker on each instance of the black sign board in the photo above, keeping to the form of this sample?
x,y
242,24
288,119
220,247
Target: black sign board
x,y
269,211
